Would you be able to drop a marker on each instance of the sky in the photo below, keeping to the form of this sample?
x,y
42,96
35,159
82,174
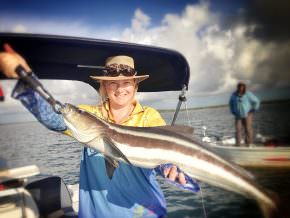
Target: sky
x,y
223,41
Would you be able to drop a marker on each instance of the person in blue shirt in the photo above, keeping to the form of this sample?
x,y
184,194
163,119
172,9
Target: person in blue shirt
x,y
131,191
243,104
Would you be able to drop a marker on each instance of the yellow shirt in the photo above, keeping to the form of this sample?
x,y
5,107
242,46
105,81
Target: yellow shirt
x,y
140,116
132,178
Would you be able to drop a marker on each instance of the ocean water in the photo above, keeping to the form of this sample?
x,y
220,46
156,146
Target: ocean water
x,y
30,143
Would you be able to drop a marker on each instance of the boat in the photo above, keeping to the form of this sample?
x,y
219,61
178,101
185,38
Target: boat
x,y
70,58
13,193
25,192
2,97
265,152
258,156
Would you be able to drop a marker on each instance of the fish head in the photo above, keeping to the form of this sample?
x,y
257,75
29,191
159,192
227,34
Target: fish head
x,y
84,126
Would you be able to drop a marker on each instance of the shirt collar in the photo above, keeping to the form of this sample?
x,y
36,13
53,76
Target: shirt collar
x,y
137,109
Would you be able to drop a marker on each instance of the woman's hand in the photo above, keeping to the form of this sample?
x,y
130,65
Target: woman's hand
x,y
172,174
9,60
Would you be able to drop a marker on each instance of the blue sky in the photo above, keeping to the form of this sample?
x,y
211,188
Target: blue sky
x,y
223,41
103,13
93,12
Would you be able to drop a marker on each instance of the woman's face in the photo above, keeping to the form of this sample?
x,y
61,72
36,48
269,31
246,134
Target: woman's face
x,y
120,92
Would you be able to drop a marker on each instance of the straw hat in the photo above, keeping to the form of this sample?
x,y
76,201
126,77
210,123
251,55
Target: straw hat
x,y
120,60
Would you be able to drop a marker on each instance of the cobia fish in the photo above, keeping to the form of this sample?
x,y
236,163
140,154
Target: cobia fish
x,y
149,147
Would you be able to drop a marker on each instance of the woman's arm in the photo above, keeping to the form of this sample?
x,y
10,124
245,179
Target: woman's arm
x,y
38,106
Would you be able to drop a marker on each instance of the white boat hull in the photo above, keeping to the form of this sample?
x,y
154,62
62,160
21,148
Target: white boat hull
x,y
258,156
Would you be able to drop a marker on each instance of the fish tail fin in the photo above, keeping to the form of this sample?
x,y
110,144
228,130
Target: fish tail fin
x,y
280,208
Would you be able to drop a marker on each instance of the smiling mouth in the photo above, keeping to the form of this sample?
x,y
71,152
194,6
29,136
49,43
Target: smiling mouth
x,y
121,95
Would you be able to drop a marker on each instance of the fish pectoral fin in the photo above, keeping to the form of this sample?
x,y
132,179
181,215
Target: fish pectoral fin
x,y
115,150
111,165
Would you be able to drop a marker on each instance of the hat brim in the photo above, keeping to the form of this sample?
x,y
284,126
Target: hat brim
x,y
109,78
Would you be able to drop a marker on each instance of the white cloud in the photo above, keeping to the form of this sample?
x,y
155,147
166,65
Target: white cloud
x,y
74,92
19,29
78,28
140,20
196,34
218,58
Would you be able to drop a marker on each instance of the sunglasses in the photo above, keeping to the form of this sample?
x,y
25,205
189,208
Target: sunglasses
x,y
119,69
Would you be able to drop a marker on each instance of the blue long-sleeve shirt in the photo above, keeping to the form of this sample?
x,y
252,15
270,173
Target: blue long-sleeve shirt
x,y
132,192
240,106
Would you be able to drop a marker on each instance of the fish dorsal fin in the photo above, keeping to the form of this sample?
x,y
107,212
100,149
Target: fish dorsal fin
x,y
111,165
114,150
186,130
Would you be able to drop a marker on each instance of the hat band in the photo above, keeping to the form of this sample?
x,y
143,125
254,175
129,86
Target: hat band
x,y
119,69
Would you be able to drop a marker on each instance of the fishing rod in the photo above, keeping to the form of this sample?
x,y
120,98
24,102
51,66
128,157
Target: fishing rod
x,y
36,85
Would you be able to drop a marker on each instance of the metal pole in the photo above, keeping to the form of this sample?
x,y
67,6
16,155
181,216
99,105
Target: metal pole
x,y
182,98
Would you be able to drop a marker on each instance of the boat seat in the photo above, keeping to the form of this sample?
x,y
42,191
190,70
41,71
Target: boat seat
x,y
52,197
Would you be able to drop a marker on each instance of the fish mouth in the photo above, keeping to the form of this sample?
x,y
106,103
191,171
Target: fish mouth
x,y
66,108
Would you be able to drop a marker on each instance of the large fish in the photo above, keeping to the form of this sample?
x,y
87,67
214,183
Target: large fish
x,y
149,147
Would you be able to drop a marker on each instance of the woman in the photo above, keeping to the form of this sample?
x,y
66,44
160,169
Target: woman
x,y
132,191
